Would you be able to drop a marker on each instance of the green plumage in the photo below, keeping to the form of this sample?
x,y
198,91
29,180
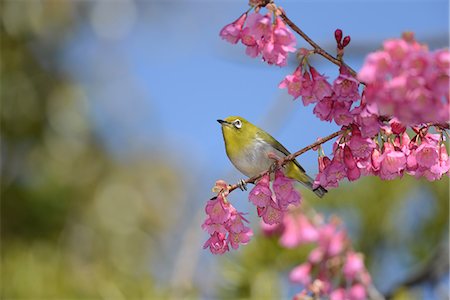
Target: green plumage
x,y
248,148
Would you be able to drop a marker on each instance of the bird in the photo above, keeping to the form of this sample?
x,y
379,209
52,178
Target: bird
x,y
251,150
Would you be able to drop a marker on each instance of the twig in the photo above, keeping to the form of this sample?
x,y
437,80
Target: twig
x,y
317,49
313,145
288,158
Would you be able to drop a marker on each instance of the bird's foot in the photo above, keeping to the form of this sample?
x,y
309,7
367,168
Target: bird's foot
x,y
242,185
273,156
277,164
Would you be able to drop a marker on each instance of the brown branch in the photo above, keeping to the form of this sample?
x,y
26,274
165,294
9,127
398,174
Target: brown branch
x,y
317,49
288,158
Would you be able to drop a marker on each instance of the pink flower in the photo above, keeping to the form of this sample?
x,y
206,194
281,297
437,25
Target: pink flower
x,y
232,32
285,193
242,237
434,172
397,127
408,82
274,42
211,227
427,155
293,83
375,67
217,243
361,147
236,222
271,230
316,255
329,254
353,172
247,38
331,240
307,91
278,44
357,292
346,86
336,243
283,37
376,161
367,118
261,194
392,163
332,173
259,25
353,266
218,210
338,294
271,214
396,48
324,161
297,230
341,113
224,223
323,109
321,88
444,162
301,274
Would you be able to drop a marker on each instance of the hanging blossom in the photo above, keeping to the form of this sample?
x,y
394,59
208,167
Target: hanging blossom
x,y
272,201
333,101
226,226
224,223
404,81
354,155
408,81
262,36
375,141
332,269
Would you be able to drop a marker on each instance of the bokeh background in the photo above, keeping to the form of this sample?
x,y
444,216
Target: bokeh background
x,y
109,150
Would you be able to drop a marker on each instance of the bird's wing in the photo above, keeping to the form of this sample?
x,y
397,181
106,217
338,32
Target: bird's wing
x,y
267,137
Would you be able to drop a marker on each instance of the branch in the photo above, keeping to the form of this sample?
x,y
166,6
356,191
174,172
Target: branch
x,y
317,49
288,158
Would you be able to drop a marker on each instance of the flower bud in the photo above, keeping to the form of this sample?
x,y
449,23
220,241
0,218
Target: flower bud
x,y
349,160
397,127
324,162
346,41
338,36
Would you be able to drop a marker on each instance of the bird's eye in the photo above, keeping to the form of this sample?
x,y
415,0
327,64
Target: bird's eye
x,y
237,123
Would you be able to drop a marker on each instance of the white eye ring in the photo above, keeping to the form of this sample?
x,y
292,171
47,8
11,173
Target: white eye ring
x,y
237,123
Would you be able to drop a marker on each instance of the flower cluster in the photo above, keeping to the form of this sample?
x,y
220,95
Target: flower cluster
x,y
271,206
391,154
408,81
262,36
330,258
332,101
224,223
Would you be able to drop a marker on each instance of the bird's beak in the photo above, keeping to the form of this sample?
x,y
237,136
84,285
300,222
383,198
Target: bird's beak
x,y
223,122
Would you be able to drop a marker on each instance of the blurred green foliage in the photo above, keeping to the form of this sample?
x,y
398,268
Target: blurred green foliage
x,y
75,223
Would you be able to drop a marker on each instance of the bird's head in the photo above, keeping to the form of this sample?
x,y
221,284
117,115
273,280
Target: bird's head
x,y
237,130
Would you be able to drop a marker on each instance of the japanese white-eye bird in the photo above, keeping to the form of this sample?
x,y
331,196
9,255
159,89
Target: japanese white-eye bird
x,y
248,148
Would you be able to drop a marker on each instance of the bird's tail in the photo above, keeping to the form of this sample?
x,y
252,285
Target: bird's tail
x,y
294,171
320,191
